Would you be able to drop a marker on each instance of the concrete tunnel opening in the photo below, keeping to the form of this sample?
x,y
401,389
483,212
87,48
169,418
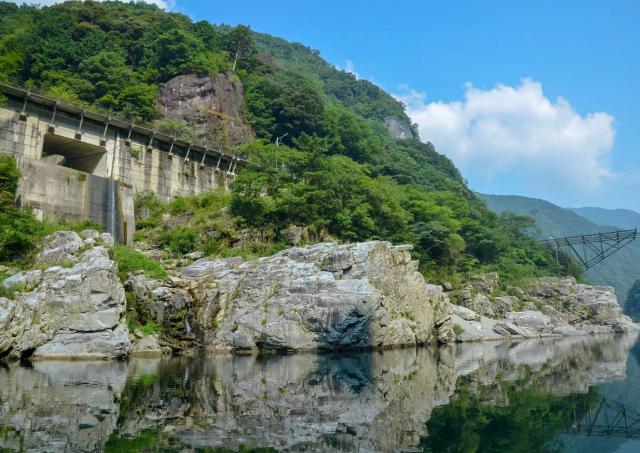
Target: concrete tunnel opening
x,y
71,153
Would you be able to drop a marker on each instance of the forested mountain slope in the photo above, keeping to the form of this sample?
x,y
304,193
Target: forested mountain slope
x,y
339,172
622,218
620,270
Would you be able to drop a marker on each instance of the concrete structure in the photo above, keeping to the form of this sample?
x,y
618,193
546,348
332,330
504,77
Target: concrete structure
x,y
82,165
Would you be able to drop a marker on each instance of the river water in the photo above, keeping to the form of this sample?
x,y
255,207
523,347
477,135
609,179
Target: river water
x,y
556,395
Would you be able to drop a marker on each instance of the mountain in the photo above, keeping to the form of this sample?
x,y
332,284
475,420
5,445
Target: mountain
x,y
622,218
620,270
348,164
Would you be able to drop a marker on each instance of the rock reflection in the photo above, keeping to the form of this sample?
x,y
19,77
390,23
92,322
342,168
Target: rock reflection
x,y
360,401
59,406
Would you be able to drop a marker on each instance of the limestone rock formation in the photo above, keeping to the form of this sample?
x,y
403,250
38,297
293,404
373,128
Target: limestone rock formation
x,y
210,105
326,296
72,311
550,306
398,128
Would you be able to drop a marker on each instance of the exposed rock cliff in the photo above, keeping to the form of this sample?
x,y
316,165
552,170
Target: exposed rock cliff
x,y
326,296
549,306
211,106
398,128
72,309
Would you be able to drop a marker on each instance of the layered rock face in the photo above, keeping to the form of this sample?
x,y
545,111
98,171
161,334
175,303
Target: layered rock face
x,y
210,105
73,309
326,296
550,306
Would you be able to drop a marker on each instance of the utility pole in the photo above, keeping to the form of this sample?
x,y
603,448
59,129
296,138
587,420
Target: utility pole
x,y
278,141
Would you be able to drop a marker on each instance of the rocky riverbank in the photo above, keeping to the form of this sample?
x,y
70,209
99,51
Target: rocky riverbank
x,y
322,297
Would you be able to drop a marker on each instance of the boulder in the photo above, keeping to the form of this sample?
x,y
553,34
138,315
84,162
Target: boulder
x,y
325,296
73,311
147,346
479,303
23,280
527,318
60,246
465,313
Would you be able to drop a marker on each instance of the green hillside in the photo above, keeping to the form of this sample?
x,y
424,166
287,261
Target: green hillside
x,y
622,218
339,173
620,270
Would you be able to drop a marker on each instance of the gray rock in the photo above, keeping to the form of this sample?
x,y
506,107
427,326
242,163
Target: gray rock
x,y
325,296
23,279
398,128
107,239
83,304
60,246
465,313
479,303
191,98
204,267
507,328
534,319
89,234
194,255
111,344
147,346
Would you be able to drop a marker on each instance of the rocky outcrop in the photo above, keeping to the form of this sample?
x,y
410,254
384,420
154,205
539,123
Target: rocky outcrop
x,y
398,128
327,296
211,106
71,310
550,306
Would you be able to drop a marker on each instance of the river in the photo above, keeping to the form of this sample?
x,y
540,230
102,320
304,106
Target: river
x,y
577,394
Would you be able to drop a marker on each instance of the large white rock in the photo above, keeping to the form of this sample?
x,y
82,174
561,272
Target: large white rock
x,y
326,296
73,311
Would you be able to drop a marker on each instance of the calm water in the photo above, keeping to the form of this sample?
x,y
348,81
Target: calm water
x,y
553,395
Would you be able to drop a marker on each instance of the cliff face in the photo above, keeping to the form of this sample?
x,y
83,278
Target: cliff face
x,y
74,308
549,306
211,106
326,296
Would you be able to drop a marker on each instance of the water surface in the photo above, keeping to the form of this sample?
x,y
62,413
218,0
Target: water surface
x,y
538,395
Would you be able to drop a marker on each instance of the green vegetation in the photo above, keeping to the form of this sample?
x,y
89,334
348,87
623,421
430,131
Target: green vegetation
x,y
150,328
129,260
201,222
528,421
338,172
619,270
19,230
632,304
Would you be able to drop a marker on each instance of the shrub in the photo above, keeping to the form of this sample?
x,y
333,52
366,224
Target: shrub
x,y
149,328
179,240
130,260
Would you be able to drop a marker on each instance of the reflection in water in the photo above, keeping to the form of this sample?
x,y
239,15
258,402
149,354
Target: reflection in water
x,y
608,418
483,397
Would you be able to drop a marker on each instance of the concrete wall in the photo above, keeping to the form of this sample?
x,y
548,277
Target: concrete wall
x,y
58,193
116,163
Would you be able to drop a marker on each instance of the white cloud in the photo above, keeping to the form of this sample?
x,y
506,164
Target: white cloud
x,y
164,4
350,68
518,132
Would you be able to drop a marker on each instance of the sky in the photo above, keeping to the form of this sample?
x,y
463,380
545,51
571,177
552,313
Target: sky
x,y
528,98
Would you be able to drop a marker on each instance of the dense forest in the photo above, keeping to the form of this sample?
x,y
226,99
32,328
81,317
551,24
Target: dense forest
x,y
339,173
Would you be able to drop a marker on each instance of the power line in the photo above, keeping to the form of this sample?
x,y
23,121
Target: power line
x,y
604,194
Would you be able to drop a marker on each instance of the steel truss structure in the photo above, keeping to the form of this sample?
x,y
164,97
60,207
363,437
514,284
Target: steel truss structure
x,y
591,249
608,419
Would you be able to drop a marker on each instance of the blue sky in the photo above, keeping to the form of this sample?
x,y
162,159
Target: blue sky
x,y
529,98
586,52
